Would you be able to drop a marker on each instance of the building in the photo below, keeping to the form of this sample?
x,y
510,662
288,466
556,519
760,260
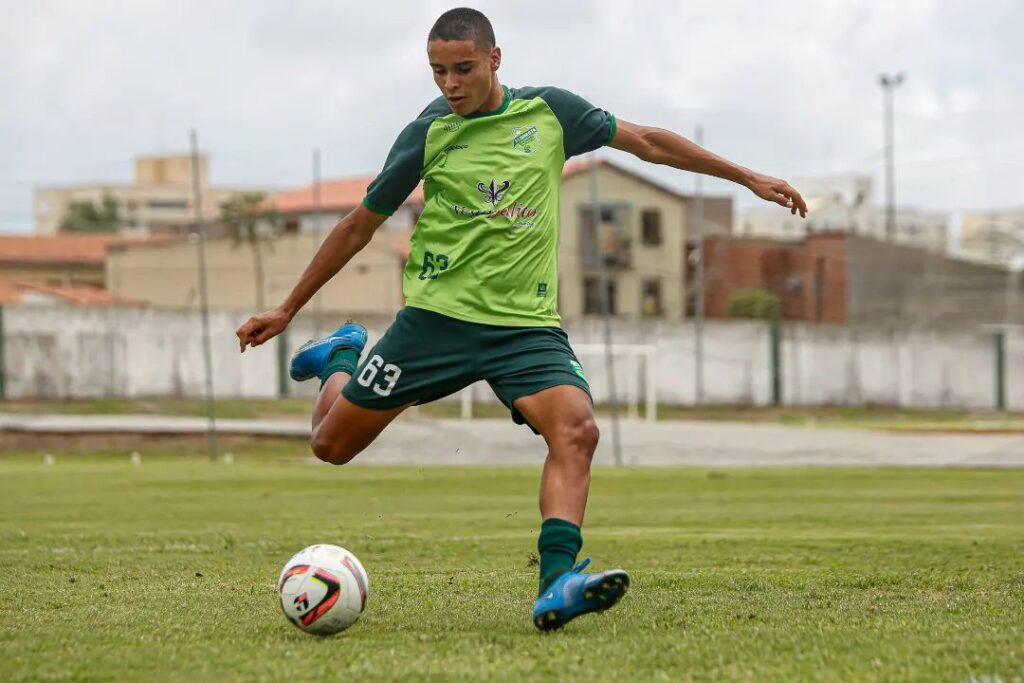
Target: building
x,y
60,259
641,238
850,279
315,209
995,237
256,276
16,293
845,204
158,201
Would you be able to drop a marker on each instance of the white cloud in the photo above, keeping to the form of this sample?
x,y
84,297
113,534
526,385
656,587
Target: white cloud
x,y
86,86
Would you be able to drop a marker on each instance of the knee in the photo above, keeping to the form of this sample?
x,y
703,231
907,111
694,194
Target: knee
x,y
332,451
580,437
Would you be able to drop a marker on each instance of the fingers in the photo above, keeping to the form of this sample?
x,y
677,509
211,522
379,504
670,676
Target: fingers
x,y
243,335
264,334
247,332
788,197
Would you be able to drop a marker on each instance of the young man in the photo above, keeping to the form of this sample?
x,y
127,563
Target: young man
x,y
481,283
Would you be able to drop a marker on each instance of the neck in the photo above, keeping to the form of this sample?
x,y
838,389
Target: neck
x,y
495,97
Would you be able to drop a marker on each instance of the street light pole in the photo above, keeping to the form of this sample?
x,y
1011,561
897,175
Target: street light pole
x,y
889,84
698,281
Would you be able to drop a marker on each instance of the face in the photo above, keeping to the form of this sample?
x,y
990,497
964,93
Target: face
x,y
463,72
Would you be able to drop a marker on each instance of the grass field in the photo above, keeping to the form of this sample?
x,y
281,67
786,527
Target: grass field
x,y
874,417
166,572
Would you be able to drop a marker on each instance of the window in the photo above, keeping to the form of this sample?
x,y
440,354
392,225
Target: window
x,y
592,296
608,244
179,204
650,221
650,303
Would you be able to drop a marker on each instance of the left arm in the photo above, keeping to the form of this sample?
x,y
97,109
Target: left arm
x,y
664,147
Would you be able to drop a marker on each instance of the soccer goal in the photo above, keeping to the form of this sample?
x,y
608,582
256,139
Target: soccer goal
x,y
636,372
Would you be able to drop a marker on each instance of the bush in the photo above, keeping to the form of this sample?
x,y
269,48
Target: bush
x,y
754,303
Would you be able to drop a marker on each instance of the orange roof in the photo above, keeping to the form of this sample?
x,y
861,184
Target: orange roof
x,y
344,193
63,248
576,167
12,292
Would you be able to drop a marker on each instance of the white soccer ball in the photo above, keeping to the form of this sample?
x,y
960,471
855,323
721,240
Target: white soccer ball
x,y
323,589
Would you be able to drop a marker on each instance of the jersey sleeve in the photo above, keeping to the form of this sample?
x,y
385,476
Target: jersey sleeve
x,y
401,172
584,126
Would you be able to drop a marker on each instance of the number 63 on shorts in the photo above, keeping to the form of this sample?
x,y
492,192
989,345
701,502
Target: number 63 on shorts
x,y
389,374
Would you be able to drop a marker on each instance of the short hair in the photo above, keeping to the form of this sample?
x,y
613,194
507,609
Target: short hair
x,y
464,23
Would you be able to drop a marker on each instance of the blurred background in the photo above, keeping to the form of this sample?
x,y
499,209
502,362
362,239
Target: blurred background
x,y
899,122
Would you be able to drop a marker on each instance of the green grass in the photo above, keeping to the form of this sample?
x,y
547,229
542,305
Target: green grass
x,y
167,571
234,408
871,417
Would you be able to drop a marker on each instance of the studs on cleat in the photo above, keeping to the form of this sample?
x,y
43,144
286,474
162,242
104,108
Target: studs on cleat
x,y
588,594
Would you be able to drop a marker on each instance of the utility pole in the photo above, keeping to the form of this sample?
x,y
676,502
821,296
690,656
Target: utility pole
x,y
889,84
204,302
613,404
698,280
317,237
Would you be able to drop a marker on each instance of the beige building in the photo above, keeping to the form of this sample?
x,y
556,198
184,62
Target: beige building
x,y
167,275
641,238
316,209
845,204
995,237
158,201
59,260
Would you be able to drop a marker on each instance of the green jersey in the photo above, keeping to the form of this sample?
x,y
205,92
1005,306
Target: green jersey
x,y
485,248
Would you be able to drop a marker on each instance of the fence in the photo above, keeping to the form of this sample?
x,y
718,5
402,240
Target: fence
x,y
61,352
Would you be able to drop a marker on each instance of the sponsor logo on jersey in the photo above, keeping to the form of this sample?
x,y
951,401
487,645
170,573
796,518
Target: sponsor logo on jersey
x,y
542,289
522,216
452,126
452,148
494,192
514,210
526,140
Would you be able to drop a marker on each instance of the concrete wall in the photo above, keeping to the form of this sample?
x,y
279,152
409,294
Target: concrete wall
x,y
71,352
899,285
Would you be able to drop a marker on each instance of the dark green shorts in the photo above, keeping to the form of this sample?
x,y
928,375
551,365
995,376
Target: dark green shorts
x,y
425,356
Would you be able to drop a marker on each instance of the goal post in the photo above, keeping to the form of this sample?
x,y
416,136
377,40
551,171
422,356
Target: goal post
x,y
637,364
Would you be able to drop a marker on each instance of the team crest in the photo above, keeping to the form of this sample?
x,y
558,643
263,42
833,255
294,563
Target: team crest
x,y
526,140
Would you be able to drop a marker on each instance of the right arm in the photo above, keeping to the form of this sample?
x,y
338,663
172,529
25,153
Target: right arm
x,y
346,239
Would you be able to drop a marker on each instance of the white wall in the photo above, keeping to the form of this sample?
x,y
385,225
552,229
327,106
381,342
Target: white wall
x,y
75,352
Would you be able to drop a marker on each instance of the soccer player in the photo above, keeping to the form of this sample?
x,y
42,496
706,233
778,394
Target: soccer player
x,y
481,283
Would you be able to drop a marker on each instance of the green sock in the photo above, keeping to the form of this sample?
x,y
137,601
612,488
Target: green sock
x,y
342,359
558,544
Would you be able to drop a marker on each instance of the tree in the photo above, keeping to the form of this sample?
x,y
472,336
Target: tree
x,y
87,216
758,304
248,218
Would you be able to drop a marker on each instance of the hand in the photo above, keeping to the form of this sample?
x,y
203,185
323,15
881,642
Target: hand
x,y
262,327
778,191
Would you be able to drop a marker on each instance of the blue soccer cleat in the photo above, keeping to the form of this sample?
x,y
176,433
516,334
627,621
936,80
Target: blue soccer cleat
x,y
311,358
575,593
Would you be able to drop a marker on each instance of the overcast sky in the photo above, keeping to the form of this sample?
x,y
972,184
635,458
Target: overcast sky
x,y
788,88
